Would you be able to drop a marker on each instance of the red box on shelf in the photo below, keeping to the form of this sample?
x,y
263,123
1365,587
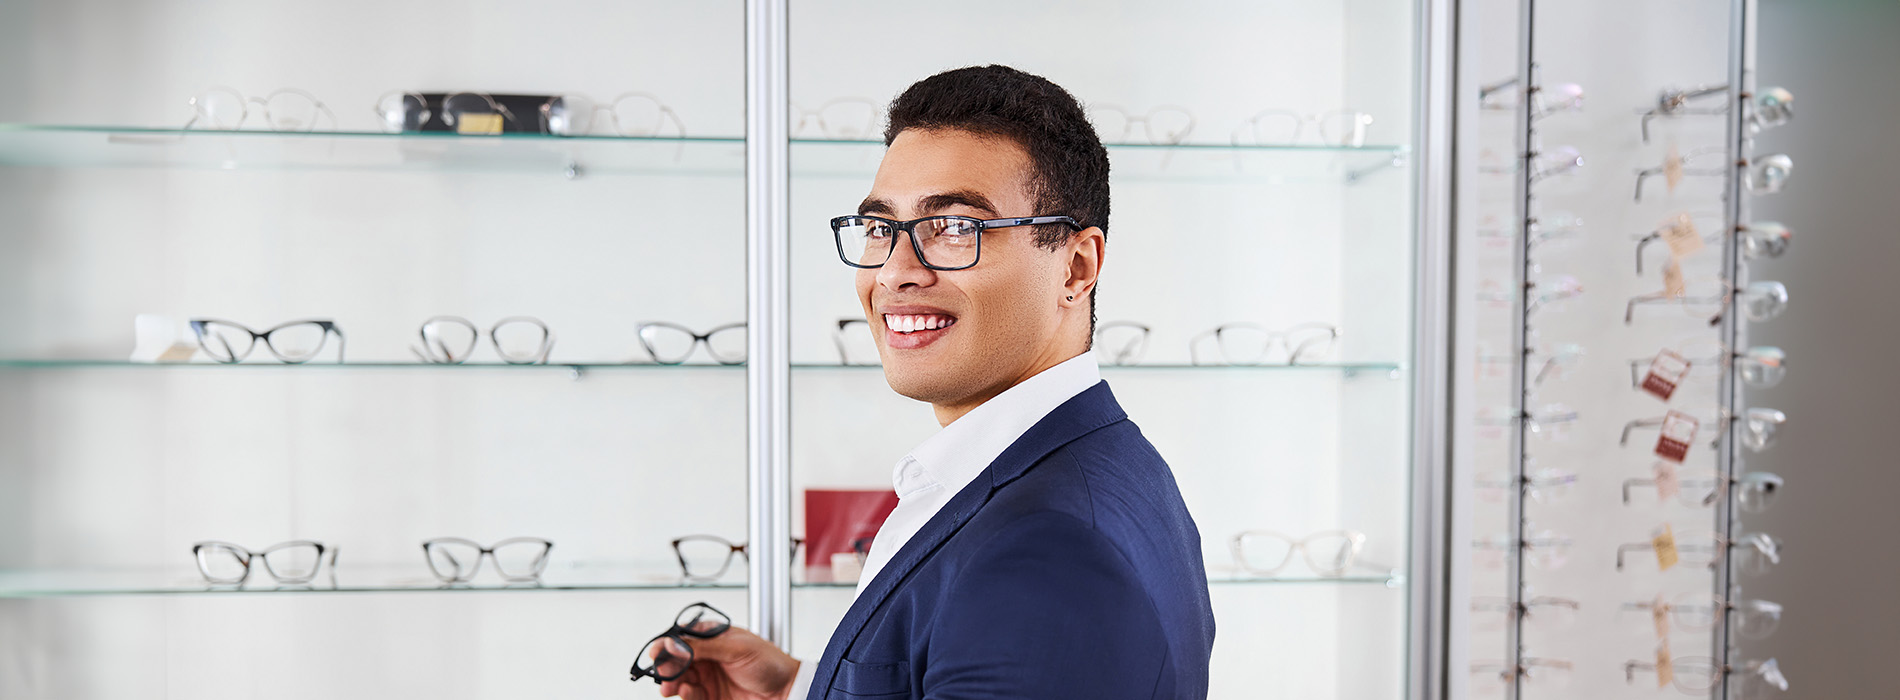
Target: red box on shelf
x,y
837,518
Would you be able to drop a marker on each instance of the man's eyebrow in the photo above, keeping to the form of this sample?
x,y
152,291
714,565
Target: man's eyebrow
x,y
931,204
875,205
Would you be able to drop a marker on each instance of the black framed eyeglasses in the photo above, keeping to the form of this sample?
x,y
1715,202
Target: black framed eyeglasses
x,y
668,656
941,243
705,558
294,343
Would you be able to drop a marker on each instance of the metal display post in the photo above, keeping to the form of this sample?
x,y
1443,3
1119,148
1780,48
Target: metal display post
x,y
768,309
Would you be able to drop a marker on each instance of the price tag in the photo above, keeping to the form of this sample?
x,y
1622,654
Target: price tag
x,y
1665,374
1659,614
1668,485
1672,168
484,124
1665,667
1682,237
1678,432
1672,279
1664,541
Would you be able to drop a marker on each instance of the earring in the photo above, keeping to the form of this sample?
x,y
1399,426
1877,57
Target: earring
x,y
1071,297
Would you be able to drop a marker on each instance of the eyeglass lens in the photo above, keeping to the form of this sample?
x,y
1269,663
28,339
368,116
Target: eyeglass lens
x,y
1120,343
287,562
946,242
230,343
670,344
664,659
704,556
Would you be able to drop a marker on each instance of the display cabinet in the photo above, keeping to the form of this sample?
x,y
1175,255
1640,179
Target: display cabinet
x,y
492,370
1265,170
1608,423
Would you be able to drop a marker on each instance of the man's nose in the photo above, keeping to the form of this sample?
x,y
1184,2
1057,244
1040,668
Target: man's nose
x,y
904,269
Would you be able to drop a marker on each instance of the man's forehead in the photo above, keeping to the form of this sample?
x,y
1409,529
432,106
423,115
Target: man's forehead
x,y
937,169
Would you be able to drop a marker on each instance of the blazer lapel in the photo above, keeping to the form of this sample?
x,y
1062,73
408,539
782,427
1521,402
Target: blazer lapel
x,y
1088,411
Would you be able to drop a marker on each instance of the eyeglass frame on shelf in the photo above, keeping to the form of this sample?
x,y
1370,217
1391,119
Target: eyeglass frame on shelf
x,y
1775,237
329,328
1769,671
1717,547
736,549
204,569
1756,356
1355,542
540,356
244,105
800,116
1724,419
646,343
1719,486
844,351
540,563
1333,334
1743,609
546,111
1125,357
1768,288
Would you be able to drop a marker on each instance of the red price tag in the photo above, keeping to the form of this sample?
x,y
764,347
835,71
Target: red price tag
x,y
1665,374
1678,432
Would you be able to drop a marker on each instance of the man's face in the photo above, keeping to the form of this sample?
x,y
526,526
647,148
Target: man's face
x,y
980,330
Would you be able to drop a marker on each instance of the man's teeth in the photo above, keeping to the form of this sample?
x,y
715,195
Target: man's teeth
x,y
911,323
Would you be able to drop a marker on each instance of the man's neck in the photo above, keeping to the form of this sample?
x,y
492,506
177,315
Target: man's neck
x,y
948,413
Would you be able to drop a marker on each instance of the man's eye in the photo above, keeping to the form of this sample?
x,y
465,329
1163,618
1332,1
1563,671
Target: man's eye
x,y
877,229
955,228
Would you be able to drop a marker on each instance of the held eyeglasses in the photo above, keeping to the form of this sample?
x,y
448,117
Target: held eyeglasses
x,y
942,243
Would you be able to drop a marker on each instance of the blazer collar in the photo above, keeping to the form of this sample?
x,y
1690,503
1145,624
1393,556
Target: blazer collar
x,y
1087,412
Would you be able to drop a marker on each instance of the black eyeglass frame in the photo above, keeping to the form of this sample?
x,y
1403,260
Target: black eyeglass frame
x,y
734,549
675,633
328,326
244,557
838,224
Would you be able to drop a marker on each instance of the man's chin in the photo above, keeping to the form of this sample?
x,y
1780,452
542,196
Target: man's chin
x,y
911,380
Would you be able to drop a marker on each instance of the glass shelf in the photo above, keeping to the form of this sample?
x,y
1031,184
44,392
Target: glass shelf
x,y
1188,163
1349,368
416,579
47,145
58,145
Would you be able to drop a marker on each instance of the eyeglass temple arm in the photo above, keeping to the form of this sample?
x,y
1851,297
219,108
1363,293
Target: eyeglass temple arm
x,y
1194,354
1630,668
1638,423
1643,243
1627,483
1624,549
1486,90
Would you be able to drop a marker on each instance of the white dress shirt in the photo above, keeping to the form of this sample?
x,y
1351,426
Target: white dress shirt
x,y
942,465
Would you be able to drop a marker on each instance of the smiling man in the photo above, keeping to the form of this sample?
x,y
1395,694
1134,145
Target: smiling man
x,y
1040,547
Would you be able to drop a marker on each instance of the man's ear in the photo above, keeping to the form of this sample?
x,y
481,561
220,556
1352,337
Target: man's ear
x,y
1085,252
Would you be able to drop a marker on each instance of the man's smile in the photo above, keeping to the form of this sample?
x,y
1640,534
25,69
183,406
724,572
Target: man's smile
x,y
913,327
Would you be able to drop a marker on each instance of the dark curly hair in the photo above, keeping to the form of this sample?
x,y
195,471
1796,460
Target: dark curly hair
x,y
1071,166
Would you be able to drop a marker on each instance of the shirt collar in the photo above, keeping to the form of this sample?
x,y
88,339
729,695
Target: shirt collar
x,y
953,457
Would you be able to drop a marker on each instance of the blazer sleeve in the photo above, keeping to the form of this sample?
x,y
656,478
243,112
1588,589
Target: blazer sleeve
x,y
1047,609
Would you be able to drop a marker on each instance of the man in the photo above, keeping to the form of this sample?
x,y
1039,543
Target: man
x,y
1040,547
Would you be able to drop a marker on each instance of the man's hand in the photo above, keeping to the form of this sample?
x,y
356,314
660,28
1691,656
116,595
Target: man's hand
x,y
736,665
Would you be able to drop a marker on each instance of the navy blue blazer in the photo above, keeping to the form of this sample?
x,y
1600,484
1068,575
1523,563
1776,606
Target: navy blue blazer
x,y
1068,569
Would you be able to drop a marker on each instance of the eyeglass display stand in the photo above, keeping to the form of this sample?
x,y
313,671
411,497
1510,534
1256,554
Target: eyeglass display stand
x,y
1729,669
1733,328
1525,123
